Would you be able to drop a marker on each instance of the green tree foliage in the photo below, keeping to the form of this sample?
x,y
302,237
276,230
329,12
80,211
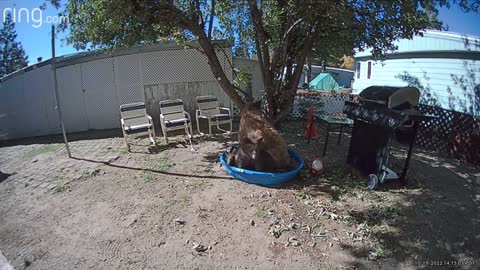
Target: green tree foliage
x,y
12,55
281,33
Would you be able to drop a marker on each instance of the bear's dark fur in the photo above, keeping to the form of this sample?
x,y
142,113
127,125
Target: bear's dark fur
x,y
260,148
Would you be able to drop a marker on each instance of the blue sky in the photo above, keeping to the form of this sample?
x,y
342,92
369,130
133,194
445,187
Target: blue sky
x,y
34,32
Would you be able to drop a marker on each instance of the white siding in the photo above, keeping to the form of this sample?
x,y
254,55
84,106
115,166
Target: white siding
x,y
434,41
448,83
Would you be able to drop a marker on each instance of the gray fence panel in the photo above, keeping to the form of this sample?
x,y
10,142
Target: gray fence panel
x,y
40,113
129,78
72,98
101,99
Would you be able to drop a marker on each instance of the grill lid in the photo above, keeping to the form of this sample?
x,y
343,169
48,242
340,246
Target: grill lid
x,y
391,97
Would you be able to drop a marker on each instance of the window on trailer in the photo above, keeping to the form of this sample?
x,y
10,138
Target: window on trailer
x,y
369,69
476,91
359,65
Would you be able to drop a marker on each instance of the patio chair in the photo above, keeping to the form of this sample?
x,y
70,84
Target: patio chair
x,y
208,109
174,117
136,122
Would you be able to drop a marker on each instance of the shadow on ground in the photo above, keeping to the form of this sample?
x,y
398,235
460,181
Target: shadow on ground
x,y
72,137
95,134
435,219
3,176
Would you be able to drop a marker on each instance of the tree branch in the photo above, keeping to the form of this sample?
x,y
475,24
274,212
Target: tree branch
x,y
262,51
216,67
285,35
210,22
208,49
198,12
293,83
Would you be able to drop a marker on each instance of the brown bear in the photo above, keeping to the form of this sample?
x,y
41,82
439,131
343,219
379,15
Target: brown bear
x,y
260,148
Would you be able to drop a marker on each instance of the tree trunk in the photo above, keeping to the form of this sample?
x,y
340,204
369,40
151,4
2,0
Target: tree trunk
x,y
217,69
249,89
197,29
263,52
283,103
309,71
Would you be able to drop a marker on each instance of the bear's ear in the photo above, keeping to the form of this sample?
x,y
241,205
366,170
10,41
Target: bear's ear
x,y
257,104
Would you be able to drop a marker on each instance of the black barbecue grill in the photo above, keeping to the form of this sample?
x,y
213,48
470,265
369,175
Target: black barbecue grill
x,y
381,114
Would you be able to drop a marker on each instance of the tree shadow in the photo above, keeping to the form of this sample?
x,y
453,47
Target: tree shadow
x,y
428,96
466,101
434,219
159,148
437,225
470,44
470,87
213,157
72,137
4,176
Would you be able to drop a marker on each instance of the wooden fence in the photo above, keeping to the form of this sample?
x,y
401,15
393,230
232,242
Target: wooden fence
x,y
454,133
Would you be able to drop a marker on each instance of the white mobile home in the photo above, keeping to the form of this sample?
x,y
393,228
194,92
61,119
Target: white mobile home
x,y
444,66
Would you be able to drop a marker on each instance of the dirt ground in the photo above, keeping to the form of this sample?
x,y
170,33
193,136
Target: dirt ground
x,y
165,207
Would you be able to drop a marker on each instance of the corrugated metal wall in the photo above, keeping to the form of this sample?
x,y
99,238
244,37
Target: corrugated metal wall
x,y
252,67
91,92
27,105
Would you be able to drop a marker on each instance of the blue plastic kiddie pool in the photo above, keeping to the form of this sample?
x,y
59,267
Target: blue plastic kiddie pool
x,y
263,178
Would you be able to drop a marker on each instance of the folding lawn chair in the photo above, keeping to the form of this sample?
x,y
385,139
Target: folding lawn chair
x,y
136,122
208,109
174,117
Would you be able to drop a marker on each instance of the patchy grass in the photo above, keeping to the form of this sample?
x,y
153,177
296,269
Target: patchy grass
x,y
147,176
54,178
303,194
90,174
377,252
260,212
233,184
185,200
345,182
120,151
46,149
59,188
94,173
377,215
161,162
198,185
